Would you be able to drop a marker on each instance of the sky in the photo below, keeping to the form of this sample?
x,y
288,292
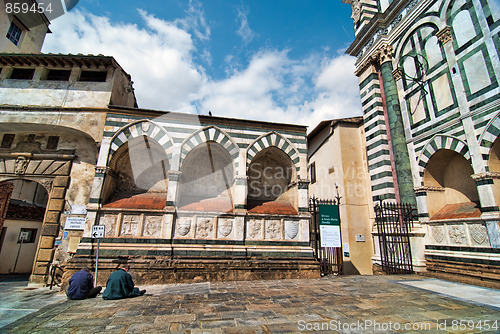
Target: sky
x,y
270,60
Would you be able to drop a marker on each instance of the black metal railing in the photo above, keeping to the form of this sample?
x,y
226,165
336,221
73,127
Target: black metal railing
x,y
394,222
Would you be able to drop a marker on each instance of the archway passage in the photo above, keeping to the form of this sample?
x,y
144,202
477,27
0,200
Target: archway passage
x,y
454,193
207,176
22,226
270,176
139,178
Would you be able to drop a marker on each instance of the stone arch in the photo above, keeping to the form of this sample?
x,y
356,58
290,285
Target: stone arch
x,y
431,21
273,139
439,142
488,137
210,133
139,128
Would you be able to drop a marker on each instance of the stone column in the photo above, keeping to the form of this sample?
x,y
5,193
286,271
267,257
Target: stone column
x,y
101,171
396,128
484,181
50,230
173,186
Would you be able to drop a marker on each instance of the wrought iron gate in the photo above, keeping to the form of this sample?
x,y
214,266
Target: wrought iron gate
x,y
330,258
394,222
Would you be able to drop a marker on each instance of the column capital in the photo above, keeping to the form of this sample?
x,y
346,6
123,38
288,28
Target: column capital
x,y
397,73
383,54
444,35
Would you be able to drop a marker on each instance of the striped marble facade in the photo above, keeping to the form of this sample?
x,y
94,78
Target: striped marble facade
x,y
450,102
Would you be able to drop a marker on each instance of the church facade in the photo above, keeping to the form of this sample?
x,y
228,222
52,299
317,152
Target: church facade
x,y
428,74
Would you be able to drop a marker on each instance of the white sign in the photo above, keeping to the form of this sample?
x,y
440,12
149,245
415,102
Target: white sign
x,y
97,231
23,236
330,236
75,223
78,210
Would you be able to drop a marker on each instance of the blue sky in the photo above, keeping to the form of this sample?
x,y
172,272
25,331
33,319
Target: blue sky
x,y
271,60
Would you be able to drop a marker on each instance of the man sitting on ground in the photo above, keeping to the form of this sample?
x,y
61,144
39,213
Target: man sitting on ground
x,y
81,285
120,285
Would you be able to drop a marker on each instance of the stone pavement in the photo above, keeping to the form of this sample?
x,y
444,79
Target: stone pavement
x,y
345,304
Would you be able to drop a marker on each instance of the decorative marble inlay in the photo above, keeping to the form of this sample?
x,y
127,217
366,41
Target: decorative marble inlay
x,y
183,225
438,233
478,233
273,229
225,226
255,228
130,224
457,233
109,222
204,227
291,228
152,226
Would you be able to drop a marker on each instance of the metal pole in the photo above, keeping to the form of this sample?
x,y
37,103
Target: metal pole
x,y
17,257
96,262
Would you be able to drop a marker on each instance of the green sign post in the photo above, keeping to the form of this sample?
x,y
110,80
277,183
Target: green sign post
x,y
329,224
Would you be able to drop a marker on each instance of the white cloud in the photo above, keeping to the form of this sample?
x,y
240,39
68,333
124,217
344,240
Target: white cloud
x,y
244,31
159,57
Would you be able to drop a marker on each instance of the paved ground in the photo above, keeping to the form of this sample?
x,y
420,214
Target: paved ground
x,y
349,304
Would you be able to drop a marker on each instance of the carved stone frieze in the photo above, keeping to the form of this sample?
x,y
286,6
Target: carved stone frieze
x,y
225,226
109,222
255,229
438,233
485,176
152,226
204,228
183,225
130,225
457,234
478,234
273,229
291,228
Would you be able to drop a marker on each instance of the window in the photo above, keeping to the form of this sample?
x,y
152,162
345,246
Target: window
x,y
14,33
313,172
23,73
27,235
7,140
94,76
52,143
58,75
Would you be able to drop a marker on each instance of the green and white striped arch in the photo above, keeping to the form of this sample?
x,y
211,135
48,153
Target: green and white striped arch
x,y
142,128
277,140
488,138
441,142
210,133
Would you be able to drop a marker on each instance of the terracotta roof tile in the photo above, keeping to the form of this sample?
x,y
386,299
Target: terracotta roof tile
x,y
152,201
460,210
274,207
211,204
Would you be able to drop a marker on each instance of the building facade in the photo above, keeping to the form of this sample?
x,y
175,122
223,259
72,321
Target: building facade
x,y
428,73
338,166
182,197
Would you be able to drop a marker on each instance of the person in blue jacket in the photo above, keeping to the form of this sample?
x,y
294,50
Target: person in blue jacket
x,y
120,285
81,285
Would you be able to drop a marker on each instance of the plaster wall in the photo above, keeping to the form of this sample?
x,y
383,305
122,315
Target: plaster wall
x,y
10,248
31,41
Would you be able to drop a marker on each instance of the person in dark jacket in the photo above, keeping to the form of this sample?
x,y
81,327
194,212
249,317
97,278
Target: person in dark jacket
x,y
81,285
120,285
